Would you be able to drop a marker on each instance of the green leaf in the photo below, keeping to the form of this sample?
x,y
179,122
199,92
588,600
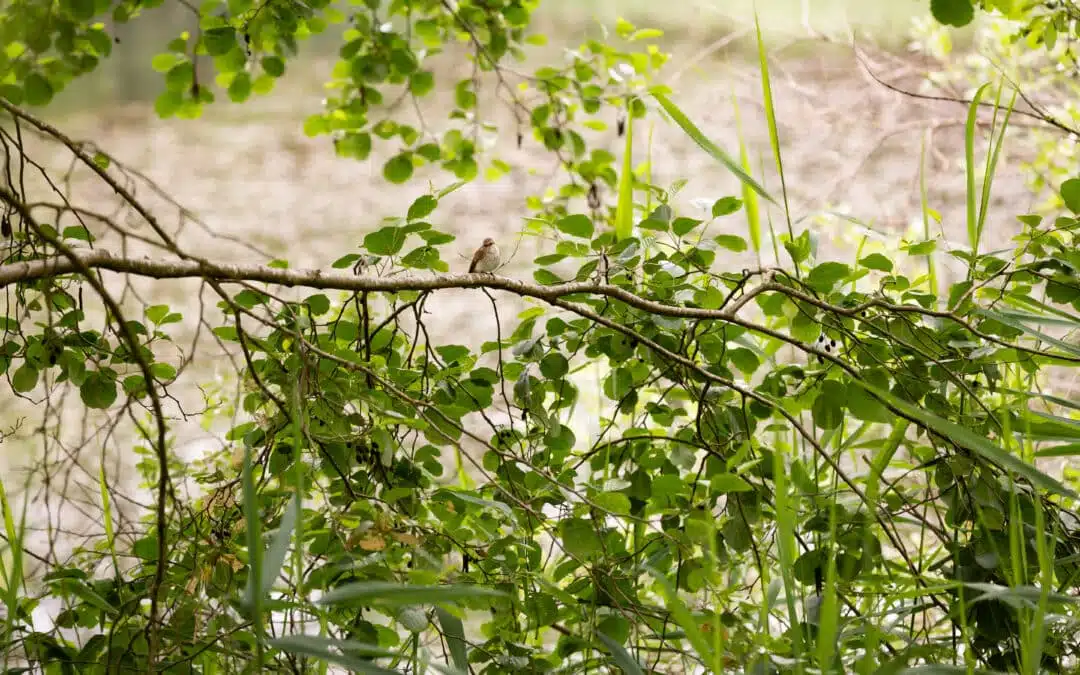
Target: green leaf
x,y
1070,194
865,407
240,88
398,168
579,537
385,241
11,93
745,360
273,66
98,390
828,411
423,206
966,438
227,333
708,146
24,378
219,41
725,206
826,275
877,261
319,304
614,502
80,10
421,83
345,261
554,366
78,232
37,90
389,593
576,225
163,371
728,482
546,277
165,61
955,13
682,226
731,242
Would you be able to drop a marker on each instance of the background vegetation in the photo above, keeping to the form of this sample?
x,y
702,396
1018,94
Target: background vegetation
x,y
682,430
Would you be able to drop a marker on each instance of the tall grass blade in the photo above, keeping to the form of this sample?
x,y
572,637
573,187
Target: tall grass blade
x,y
708,146
389,593
685,620
344,653
785,546
624,211
106,508
454,630
1069,349
279,547
252,598
749,197
966,438
622,657
969,167
924,203
770,117
14,579
991,164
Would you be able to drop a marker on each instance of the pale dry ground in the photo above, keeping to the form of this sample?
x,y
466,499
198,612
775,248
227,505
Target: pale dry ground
x,y
250,173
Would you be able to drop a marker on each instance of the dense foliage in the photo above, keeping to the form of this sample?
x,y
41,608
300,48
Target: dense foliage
x,y
801,464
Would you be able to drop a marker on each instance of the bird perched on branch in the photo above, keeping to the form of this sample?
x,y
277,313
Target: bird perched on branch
x,y
486,259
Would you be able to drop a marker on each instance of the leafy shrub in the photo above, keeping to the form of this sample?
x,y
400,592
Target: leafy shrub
x,y
803,464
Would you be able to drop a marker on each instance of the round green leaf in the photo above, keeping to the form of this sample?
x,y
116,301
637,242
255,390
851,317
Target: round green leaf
x,y
398,168
952,12
1070,193
273,66
725,206
731,242
219,41
423,206
554,366
828,411
163,371
37,90
98,390
826,275
877,261
579,537
80,10
319,304
240,88
385,241
421,82
24,378
576,225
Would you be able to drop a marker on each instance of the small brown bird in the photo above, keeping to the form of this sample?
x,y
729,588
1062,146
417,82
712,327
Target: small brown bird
x,y
486,259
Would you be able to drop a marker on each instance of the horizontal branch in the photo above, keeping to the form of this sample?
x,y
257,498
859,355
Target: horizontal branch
x,y
346,281
335,280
